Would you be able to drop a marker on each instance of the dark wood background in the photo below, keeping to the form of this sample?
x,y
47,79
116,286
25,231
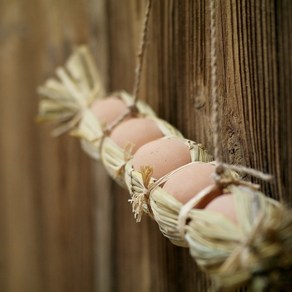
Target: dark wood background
x,y
64,226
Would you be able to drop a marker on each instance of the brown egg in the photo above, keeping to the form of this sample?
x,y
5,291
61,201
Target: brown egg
x,y
163,155
137,132
108,110
224,205
189,181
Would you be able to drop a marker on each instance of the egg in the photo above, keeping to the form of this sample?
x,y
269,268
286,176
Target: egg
x,y
163,155
224,205
189,181
108,110
137,132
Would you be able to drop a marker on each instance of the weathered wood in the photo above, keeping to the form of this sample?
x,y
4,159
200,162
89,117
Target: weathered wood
x,y
46,186
64,225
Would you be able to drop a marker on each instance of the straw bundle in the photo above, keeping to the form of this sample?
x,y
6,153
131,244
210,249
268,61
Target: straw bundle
x,y
255,251
166,210
115,159
92,132
65,100
141,186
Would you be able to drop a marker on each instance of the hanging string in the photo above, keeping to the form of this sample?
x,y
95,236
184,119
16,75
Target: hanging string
x,y
132,109
141,52
214,88
215,119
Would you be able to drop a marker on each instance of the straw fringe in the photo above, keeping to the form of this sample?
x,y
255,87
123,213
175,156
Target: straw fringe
x,y
64,101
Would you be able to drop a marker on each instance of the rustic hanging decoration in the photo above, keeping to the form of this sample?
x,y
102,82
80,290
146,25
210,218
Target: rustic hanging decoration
x,y
248,242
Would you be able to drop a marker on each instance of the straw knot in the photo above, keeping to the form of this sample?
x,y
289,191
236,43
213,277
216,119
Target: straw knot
x,y
140,201
264,259
133,109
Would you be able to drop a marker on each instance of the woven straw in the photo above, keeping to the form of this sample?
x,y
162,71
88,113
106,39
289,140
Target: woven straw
x,y
92,132
114,158
141,189
249,252
166,209
65,100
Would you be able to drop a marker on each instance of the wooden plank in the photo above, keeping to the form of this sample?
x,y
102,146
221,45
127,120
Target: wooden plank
x,y
46,184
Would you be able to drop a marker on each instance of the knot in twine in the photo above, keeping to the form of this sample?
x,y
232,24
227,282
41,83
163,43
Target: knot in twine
x,y
139,200
132,110
264,258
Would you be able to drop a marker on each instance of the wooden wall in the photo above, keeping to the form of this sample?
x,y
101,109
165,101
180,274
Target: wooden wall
x,y
64,226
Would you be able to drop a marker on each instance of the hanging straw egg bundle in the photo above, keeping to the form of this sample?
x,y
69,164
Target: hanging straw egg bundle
x,y
234,232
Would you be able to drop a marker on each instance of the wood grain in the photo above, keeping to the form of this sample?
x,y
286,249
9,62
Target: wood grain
x,y
63,225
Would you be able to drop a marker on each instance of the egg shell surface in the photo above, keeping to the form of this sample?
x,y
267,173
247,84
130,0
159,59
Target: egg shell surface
x,y
108,110
189,181
163,155
224,205
136,132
